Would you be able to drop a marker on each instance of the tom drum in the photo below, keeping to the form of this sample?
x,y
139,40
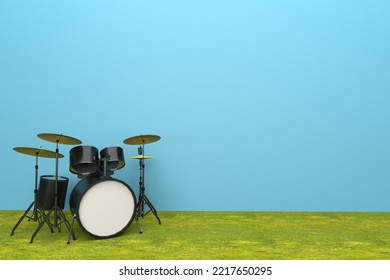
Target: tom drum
x,y
84,160
114,158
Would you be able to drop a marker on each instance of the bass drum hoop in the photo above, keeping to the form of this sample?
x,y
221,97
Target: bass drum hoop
x,y
78,193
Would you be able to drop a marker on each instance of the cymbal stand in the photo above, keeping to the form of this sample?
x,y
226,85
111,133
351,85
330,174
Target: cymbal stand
x,y
58,213
37,213
142,199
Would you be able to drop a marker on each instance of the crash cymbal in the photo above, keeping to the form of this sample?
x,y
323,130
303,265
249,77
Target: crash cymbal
x,y
37,152
59,138
140,157
141,139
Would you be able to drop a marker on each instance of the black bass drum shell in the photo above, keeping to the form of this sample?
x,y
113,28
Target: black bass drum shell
x,y
104,206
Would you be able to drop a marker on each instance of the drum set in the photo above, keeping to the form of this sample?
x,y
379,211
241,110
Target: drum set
x,y
103,206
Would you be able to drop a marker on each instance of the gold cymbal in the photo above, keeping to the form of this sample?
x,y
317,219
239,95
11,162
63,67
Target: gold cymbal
x,y
140,157
59,138
37,152
141,139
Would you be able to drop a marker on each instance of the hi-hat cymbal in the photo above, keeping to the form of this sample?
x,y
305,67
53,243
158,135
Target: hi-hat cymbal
x,y
141,139
37,152
140,157
59,138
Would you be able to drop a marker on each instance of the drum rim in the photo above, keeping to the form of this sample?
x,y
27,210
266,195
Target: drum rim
x,y
54,176
92,164
84,146
111,147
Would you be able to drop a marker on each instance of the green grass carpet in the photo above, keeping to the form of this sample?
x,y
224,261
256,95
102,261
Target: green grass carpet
x,y
213,236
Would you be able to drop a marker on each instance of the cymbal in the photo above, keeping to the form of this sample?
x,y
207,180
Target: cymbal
x,y
140,157
59,138
141,139
37,152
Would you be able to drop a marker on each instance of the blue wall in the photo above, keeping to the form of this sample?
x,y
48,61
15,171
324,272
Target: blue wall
x,y
260,105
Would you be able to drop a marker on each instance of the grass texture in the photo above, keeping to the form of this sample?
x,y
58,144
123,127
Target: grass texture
x,y
211,236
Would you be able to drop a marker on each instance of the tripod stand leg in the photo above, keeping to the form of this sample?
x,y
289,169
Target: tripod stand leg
x,y
35,212
36,231
47,221
154,211
21,218
139,212
61,215
41,223
139,225
71,229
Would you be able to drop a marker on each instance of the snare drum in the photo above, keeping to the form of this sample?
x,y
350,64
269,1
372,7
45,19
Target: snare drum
x,y
104,206
84,160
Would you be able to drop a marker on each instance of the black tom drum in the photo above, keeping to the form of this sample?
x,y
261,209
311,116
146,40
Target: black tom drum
x,y
46,191
114,158
104,206
84,160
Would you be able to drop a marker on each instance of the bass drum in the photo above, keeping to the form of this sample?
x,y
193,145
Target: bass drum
x,y
104,206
